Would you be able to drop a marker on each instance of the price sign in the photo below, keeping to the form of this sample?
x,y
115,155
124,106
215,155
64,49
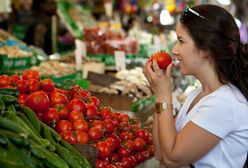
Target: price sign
x,y
120,60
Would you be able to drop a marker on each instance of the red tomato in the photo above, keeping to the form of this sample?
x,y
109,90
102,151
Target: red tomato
x,y
83,94
126,136
33,85
101,163
123,152
94,134
106,113
114,158
57,98
82,137
138,156
55,91
141,133
77,105
22,86
69,137
91,110
50,117
95,101
38,102
110,166
22,98
62,110
74,115
133,161
110,125
47,85
162,58
80,125
139,144
14,78
151,150
31,74
99,124
5,80
145,154
129,145
63,125
110,142
124,127
126,162
103,149
124,118
116,139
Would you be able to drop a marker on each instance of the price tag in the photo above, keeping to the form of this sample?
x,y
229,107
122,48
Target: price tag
x,y
80,52
120,60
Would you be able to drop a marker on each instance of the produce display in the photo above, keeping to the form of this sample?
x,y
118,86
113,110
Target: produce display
x,y
79,118
133,83
54,68
25,142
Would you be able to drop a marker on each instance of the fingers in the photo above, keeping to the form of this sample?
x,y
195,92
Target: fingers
x,y
156,68
168,70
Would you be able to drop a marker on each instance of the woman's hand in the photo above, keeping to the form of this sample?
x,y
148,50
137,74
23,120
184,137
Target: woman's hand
x,y
159,80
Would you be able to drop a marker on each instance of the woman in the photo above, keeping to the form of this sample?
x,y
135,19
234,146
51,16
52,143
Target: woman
x,y
211,129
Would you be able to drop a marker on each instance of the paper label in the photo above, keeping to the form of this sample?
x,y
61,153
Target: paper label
x,y
120,60
80,52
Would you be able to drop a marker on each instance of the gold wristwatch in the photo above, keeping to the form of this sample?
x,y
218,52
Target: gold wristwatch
x,y
161,106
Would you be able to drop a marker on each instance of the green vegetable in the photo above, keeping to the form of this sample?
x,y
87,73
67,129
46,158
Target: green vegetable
x,y
17,139
8,99
7,91
49,159
12,126
32,117
2,105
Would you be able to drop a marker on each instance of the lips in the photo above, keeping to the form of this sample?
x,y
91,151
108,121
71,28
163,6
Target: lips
x,y
177,61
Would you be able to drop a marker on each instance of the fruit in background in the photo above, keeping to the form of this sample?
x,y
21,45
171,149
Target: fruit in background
x,y
38,102
22,86
33,85
57,98
163,59
77,105
31,74
47,85
5,80
14,78
63,125
50,117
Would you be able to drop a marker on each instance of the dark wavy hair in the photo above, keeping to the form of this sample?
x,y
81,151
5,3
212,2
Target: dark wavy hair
x,y
217,33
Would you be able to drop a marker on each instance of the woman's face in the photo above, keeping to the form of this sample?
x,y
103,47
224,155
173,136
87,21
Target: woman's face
x,y
186,53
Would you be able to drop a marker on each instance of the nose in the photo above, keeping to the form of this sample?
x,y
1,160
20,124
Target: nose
x,y
175,50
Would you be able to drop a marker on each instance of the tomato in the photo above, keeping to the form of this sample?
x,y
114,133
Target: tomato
x,y
38,102
117,140
22,98
50,117
139,158
163,59
149,139
123,152
110,142
80,125
95,101
106,113
74,115
139,144
82,94
110,166
151,150
99,124
57,98
82,137
91,110
110,125
63,125
55,91
22,86
124,118
69,137
141,133
31,74
77,105
33,85
145,155
101,163
47,85
5,80
103,149
126,136
14,78
129,145
62,110
126,162
114,158
124,127
133,161
95,134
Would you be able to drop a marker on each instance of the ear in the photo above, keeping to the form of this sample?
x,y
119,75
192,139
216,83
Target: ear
x,y
204,54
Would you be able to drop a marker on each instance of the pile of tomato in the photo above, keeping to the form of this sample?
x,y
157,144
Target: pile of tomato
x,y
79,118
